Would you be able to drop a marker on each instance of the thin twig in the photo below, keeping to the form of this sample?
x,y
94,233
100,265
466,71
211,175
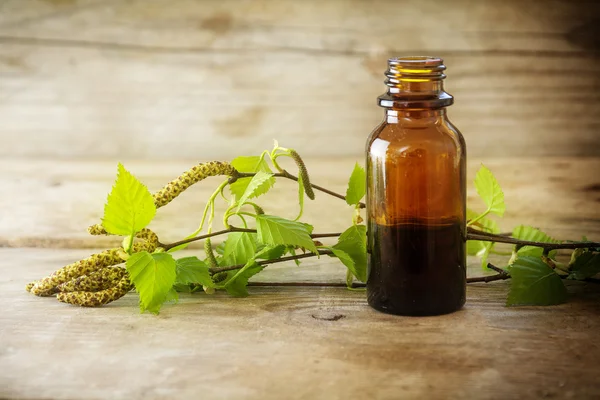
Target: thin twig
x,y
494,268
476,279
325,235
234,229
208,235
266,262
470,229
309,284
489,278
285,174
490,237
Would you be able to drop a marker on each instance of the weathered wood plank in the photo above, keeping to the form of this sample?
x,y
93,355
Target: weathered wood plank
x,y
48,203
89,79
339,26
279,343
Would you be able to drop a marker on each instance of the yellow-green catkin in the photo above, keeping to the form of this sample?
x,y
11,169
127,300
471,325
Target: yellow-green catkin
x,y
303,172
95,299
93,263
210,255
97,230
94,282
188,178
149,236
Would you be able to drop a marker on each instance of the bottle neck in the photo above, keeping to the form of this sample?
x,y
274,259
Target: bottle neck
x,y
415,83
420,116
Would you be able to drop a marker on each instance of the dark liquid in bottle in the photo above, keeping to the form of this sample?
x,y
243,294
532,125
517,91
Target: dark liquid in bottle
x,y
416,269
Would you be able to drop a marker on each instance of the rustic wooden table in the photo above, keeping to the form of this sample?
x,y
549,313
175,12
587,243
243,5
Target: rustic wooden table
x,y
285,342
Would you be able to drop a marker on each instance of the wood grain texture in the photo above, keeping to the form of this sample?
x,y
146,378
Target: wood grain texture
x,y
91,78
282,343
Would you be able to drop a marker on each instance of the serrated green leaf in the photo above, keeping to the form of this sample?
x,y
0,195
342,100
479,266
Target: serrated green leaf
x,y
357,185
353,243
239,248
129,207
535,283
356,233
236,285
586,265
529,233
192,270
273,230
490,191
153,276
249,164
346,260
259,184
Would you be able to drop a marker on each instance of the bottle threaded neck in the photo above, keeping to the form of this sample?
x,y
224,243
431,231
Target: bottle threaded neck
x,y
415,82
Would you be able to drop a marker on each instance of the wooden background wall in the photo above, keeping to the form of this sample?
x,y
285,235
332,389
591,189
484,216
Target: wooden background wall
x,y
165,79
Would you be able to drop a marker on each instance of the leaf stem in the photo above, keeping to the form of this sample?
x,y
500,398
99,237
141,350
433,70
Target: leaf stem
x,y
287,175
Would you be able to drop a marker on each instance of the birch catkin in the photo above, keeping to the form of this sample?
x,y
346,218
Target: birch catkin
x,y
93,263
94,282
188,178
303,172
95,299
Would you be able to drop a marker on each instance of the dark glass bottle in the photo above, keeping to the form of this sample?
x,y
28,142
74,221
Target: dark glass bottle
x,y
416,195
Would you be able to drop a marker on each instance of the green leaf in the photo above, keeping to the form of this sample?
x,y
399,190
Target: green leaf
x,y
239,248
586,265
489,190
273,230
356,233
236,286
249,164
153,276
346,260
353,243
357,185
259,184
529,233
192,270
129,207
535,283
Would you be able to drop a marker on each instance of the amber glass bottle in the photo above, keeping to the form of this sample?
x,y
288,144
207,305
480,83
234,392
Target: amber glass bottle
x,y
416,195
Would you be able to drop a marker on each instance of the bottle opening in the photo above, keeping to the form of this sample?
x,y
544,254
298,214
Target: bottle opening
x,y
415,81
414,69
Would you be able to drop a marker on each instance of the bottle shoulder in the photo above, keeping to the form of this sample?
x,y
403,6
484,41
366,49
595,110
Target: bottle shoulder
x,y
438,138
